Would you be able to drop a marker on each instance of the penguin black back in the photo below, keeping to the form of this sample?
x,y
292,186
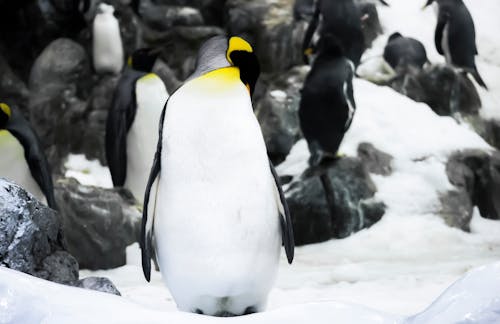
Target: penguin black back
x,y
401,52
342,20
327,103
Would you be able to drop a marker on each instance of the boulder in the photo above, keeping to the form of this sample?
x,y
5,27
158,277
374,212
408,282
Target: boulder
x,y
277,112
445,90
31,237
333,202
476,177
162,17
98,223
375,161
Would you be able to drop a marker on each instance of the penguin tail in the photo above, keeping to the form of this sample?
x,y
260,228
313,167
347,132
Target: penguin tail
x,y
478,78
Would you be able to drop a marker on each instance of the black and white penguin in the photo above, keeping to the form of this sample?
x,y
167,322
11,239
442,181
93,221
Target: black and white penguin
x,y
403,52
22,159
341,19
220,216
131,128
455,36
107,48
327,104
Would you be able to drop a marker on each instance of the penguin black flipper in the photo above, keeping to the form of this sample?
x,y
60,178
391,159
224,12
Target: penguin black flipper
x,y
443,18
146,242
120,119
34,155
285,218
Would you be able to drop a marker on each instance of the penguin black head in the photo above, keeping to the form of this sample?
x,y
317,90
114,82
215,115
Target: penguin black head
x,y
5,113
240,54
143,59
394,36
219,52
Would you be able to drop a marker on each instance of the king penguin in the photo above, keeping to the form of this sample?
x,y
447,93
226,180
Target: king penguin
x,y
22,160
131,134
327,104
455,36
342,20
220,216
106,40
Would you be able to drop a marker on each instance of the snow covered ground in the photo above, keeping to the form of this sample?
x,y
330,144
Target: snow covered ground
x,y
398,266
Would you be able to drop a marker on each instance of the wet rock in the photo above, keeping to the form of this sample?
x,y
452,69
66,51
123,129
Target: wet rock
x,y
98,223
476,176
162,17
31,237
446,91
99,284
375,161
333,202
212,10
277,112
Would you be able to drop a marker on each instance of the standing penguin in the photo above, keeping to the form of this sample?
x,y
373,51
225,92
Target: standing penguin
x,y
22,159
455,36
131,128
342,20
107,42
220,216
404,52
327,105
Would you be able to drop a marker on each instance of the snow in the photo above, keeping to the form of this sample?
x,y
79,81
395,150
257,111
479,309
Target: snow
x,y
90,173
25,299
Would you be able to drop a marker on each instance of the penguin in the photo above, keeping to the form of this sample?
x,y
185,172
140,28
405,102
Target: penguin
x,y
131,134
23,160
219,217
342,19
106,41
455,36
403,52
327,104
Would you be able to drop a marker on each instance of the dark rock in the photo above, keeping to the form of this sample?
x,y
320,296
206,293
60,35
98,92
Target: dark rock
x,y
167,75
375,161
456,209
487,129
98,223
99,284
31,237
212,10
446,91
476,176
370,22
277,113
333,203
303,9
162,17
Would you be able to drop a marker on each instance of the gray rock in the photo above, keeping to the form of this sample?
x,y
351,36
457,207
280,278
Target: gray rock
x,y
370,24
277,112
375,161
167,75
446,91
333,202
13,90
212,10
99,284
476,177
489,129
31,237
98,223
162,17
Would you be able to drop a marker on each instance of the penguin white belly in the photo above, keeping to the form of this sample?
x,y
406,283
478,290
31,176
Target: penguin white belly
x,y
13,165
445,44
107,42
216,225
142,137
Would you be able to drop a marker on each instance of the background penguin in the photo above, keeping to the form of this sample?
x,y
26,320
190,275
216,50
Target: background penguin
x,y
131,128
220,208
404,52
327,105
22,159
107,42
342,20
455,36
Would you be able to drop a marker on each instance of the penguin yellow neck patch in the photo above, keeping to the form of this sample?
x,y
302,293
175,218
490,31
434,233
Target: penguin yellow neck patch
x,y
237,44
218,81
6,109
